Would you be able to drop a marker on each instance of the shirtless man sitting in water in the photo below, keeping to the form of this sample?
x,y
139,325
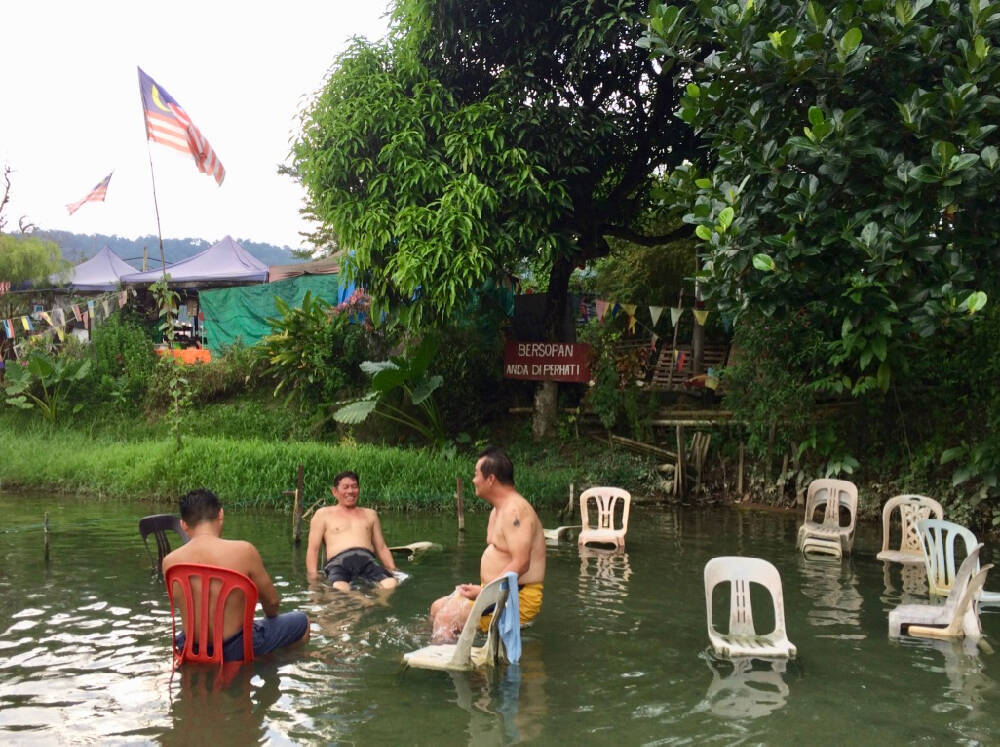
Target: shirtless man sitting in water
x,y
514,542
353,539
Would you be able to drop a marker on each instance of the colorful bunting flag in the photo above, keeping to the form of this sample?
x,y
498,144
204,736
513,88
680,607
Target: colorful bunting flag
x,y
76,313
654,313
629,309
122,298
602,309
8,328
86,320
106,305
700,316
652,343
675,314
45,315
26,323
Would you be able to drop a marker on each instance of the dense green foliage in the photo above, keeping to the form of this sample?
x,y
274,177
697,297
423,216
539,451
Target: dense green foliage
x,y
483,135
123,357
28,258
854,167
314,350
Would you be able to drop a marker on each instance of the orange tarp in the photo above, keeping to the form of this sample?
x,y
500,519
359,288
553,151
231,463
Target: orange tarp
x,y
190,355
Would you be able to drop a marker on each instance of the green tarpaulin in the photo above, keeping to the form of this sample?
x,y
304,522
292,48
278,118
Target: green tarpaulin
x,y
233,314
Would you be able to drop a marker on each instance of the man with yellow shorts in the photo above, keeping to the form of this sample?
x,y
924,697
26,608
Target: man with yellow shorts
x,y
514,543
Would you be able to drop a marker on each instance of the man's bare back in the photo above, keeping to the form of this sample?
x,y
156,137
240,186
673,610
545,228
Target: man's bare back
x,y
347,527
236,555
202,518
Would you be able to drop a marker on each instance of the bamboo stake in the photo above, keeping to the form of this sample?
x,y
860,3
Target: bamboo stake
x,y
739,474
45,527
460,506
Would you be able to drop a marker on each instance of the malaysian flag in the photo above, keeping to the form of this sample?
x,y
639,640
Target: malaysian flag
x,y
168,124
97,194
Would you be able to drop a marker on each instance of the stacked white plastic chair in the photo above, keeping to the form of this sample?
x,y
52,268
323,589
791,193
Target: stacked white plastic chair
x,y
829,537
742,639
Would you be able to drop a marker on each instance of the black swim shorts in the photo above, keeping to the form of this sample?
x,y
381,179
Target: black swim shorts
x,y
353,564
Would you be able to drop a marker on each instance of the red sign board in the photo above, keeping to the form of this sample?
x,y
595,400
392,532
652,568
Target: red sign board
x,y
547,361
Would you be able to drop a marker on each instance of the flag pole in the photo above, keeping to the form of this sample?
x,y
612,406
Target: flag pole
x,y
156,207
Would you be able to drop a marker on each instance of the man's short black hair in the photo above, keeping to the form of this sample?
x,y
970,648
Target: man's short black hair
x,y
497,463
200,505
346,473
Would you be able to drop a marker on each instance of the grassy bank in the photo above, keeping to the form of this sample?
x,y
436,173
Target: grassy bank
x,y
115,460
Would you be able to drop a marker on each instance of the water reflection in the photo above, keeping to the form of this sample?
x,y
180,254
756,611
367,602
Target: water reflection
x,y
745,688
912,588
202,697
506,704
836,602
602,588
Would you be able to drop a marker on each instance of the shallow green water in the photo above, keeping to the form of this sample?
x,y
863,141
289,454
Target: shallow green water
x,y
618,655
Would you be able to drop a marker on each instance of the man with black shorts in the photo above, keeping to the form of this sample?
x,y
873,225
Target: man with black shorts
x,y
353,539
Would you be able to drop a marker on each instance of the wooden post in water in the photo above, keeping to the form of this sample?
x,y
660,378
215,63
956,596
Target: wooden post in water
x,y
679,475
45,527
572,500
739,474
297,505
459,505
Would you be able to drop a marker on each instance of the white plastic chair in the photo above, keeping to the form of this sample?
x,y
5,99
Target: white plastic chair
x,y
462,655
958,615
742,639
939,538
912,510
606,531
829,537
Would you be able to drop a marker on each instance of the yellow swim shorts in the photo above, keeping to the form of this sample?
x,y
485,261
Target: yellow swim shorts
x,y
529,602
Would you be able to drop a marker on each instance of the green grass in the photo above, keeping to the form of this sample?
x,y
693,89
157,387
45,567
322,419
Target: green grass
x,y
129,458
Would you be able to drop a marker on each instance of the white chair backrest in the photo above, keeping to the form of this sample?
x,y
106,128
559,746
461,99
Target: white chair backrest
x,y
912,509
607,502
832,494
939,537
495,593
740,572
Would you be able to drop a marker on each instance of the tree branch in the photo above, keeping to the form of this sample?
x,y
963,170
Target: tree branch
x,y
623,232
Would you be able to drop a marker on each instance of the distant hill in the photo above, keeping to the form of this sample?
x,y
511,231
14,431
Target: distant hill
x,y
77,247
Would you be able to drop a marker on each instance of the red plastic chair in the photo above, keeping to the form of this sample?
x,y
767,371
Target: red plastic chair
x,y
226,581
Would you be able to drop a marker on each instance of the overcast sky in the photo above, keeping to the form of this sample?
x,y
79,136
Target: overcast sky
x,y
70,110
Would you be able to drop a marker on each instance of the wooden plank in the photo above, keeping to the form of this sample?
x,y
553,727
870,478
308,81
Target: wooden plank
x,y
694,421
644,447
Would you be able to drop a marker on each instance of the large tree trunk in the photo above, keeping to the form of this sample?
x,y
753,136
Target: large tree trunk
x,y
543,424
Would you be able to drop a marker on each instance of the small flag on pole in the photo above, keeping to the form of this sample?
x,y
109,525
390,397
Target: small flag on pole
x,y
97,194
168,124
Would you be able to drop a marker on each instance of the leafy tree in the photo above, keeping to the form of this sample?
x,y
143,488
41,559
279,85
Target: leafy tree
x,y
27,258
482,135
855,167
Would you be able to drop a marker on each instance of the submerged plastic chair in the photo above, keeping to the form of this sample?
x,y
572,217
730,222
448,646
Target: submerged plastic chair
x,y
912,510
462,655
552,536
959,614
204,627
158,525
742,639
829,537
604,531
939,538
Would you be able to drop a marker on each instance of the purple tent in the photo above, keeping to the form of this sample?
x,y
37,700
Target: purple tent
x,y
225,262
101,272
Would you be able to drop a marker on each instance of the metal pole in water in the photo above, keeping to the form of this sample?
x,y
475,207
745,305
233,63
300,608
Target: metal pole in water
x,y
459,504
45,527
